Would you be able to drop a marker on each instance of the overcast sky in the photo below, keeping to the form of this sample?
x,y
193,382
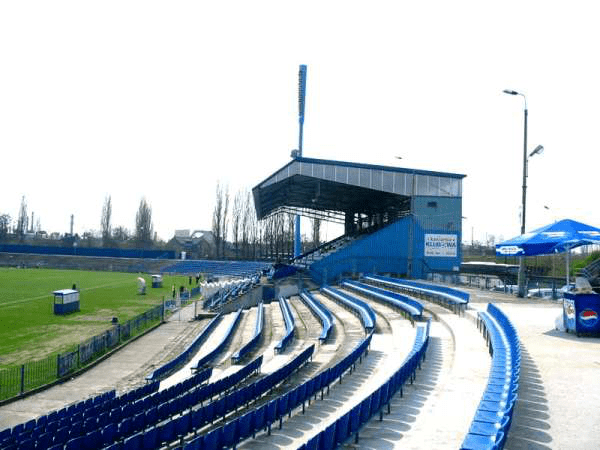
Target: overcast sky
x,y
164,99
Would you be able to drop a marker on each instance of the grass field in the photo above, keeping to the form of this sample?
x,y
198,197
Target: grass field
x,y
29,329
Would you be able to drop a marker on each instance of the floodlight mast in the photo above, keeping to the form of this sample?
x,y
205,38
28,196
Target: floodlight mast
x,y
301,104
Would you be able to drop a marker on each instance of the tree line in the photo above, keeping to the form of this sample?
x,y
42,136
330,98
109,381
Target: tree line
x,y
236,231
270,238
142,235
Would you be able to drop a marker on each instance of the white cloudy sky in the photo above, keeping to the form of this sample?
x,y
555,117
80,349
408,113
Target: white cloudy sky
x,y
163,99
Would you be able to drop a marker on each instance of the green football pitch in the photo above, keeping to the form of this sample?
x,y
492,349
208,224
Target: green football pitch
x,y
31,331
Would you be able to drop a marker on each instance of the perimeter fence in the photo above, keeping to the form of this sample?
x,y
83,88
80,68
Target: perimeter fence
x,y
17,380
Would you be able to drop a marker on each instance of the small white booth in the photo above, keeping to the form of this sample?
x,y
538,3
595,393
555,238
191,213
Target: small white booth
x,y
66,301
157,281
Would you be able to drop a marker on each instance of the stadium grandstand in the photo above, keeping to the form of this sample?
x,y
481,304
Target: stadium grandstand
x,y
397,220
349,348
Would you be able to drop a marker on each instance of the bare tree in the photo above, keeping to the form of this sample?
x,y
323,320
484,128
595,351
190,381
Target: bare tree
x,y
316,232
22,220
120,234
105,221
236,221
4,224
143,223
220,221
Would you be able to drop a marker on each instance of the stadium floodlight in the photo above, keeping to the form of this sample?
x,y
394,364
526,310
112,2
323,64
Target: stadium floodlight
x,y
537,151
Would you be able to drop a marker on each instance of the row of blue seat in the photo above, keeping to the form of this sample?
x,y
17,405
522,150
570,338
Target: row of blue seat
x,y
231,268
258,329
230,292
324,315
221,345
113,418
452,298
185,355
350,423
262,418
54,420
412,308
150,415
224,404
290,326
362,309
493,417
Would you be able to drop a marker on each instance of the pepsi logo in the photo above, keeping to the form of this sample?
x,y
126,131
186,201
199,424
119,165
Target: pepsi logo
x,y
588,317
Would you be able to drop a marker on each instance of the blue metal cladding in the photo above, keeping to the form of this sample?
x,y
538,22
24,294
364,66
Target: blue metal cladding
x,y
427,241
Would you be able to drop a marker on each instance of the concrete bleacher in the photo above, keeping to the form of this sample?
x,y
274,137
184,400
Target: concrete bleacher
x,y
457,372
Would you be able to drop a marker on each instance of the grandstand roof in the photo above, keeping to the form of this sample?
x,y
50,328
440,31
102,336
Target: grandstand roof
x,y
327,189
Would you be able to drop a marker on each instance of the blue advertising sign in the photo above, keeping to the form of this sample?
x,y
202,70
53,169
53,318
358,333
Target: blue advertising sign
x,y
586,311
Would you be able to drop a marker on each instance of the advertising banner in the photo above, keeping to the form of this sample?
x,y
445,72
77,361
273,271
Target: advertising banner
x,y
441,245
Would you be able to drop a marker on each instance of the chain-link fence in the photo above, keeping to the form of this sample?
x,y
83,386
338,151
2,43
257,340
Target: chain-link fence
x,y
15,381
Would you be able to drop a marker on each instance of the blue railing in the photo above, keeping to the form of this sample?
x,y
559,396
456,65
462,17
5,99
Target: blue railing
x,y
290,326
258,329
325,317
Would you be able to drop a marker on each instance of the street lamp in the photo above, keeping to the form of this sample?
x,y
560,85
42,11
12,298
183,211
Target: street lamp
x,y
538,150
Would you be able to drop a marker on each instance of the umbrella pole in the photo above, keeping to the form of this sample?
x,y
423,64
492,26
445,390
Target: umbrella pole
x,y
568,255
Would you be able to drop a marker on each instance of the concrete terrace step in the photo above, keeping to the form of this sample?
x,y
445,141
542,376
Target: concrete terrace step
x,y
438,408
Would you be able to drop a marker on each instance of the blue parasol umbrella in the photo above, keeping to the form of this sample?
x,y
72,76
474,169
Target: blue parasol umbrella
x,y
557,237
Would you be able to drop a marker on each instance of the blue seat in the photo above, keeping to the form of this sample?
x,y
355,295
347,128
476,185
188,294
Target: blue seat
x,y
365,410
245,425
341,428
194,444
328,438
260,418
151,416
197,420
44,440
166,432
150,438
26,444
133,442
124,428
138,422
489,428
209,412
182,425
313,443
109,434
92,439
354,422
479,442
61,436
230,434
271,411
212,440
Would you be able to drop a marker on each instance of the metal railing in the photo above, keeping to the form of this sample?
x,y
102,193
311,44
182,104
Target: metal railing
x,y
20,379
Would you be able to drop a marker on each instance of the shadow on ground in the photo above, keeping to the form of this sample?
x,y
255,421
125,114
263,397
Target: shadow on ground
x,y
530,427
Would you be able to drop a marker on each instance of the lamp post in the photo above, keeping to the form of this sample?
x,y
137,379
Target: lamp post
x,y
537,150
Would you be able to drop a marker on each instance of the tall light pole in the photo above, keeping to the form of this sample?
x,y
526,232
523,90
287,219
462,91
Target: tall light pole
x,y
301,101
538,149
